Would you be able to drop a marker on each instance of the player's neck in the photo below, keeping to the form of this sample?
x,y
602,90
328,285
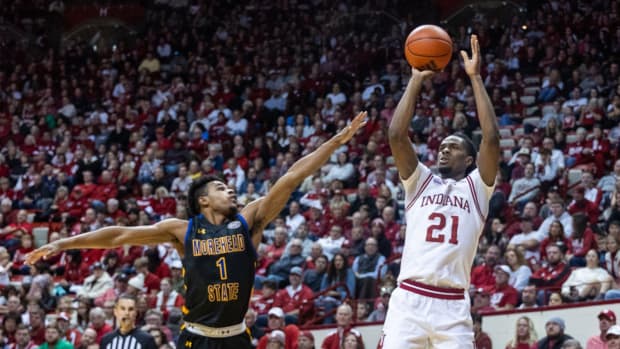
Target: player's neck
x,y
456,177
124,330
213,217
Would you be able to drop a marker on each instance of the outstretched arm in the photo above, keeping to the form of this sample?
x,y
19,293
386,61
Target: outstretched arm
x,y
169,230
262,211
405,157
488,159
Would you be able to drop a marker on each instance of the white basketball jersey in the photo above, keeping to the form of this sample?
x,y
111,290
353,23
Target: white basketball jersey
x,y
444,221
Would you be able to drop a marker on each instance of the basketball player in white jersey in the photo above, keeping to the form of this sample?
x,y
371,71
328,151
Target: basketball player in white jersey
x,y
445,214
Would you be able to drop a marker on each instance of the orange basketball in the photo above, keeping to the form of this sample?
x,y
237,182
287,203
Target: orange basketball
x,y
428,47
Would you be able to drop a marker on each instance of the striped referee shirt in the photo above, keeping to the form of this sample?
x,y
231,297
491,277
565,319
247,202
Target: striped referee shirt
x,y
135,339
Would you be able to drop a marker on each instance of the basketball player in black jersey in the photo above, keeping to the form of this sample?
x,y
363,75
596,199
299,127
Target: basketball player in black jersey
x,y
218,247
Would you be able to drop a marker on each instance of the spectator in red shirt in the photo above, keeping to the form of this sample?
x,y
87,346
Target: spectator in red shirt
x,y
163,205
582,205
106,189
551,277
482,339
295,299
344,320
88,187
71,335
503,296
276,322
582,241
26,246
151,281
98,323
276,250
37,326
167,298
482,275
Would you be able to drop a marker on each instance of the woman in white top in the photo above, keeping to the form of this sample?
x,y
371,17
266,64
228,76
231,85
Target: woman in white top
x,y
588,282
521,272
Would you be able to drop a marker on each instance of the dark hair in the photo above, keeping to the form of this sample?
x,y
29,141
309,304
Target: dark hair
x,y
195,190
470,147
580,223
337,275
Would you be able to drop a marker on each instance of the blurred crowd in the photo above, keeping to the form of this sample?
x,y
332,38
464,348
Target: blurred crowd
x,y
115,136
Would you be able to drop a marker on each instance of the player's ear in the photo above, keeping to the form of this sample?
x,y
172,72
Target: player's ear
x,y
469,160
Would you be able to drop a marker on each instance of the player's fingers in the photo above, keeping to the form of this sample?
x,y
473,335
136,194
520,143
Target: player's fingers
x,y
464,55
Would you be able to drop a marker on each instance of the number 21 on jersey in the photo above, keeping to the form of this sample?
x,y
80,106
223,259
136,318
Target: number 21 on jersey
x,y
439,221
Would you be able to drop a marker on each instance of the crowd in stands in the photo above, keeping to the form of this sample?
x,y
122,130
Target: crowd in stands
x,y
115,137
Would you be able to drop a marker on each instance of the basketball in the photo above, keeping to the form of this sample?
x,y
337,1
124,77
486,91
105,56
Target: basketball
x,y
428,47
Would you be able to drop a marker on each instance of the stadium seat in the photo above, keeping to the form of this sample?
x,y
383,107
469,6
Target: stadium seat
x,y
519,131
571,138
531,91
532,120
574,176
507,143
528,100
531,80
40,235
505,132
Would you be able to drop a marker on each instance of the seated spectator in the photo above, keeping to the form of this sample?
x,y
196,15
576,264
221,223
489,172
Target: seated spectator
x,y
582,241
279,270
612,258
606,319
524,189
613,337
482,275
582,205
551,277
22,339
481,339
340,276
305,340
528,297
528,239
97,284
262,301
555,236
503,296
366,268
295,299
254,331
557,214
276,323
275,340
520,271
525,335
482,301
88,340
381,306
361,312
333,242
589,282
167,298
351,341
555,299
555,337
313,278
344,320
97,323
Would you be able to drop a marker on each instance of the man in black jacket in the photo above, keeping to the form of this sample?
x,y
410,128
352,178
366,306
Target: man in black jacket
x,y
555,334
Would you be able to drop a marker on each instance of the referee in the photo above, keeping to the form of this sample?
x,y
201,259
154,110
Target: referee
x,y
127,336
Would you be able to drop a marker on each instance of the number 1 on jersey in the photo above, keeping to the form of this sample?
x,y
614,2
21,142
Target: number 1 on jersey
x,y
221,265
440,225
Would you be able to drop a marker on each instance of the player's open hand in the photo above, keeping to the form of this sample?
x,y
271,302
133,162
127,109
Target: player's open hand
x,y
42,252
472,65
347,133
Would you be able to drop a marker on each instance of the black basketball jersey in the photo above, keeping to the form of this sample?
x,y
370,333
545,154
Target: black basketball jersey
x,y
219,270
